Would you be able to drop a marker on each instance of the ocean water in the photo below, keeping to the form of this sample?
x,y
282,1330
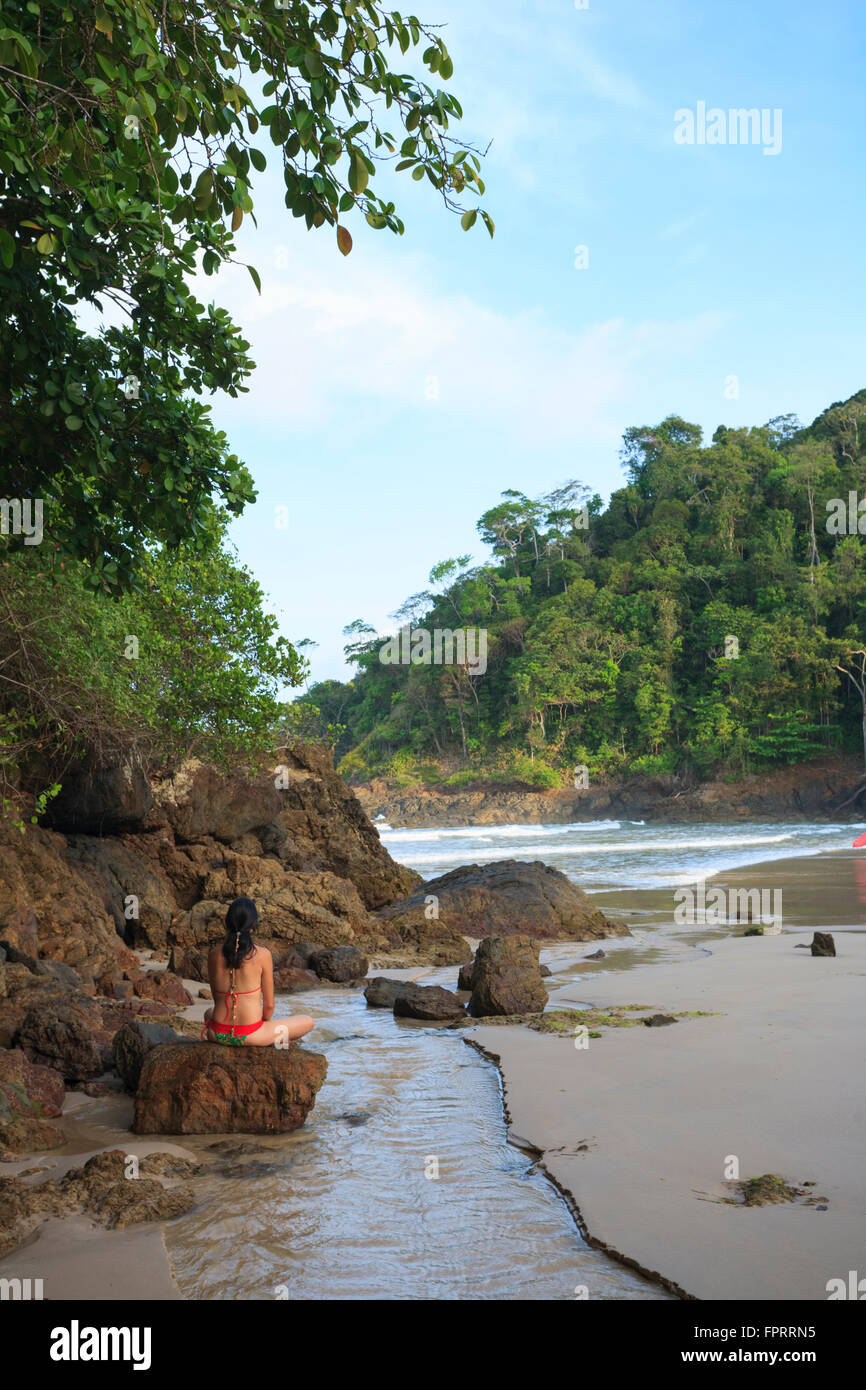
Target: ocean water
x,y
607,855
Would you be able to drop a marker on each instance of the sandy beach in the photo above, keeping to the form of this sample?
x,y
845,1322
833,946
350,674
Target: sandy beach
x,y
638,1128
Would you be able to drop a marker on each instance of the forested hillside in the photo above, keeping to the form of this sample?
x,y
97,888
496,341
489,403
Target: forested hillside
x,y
708,619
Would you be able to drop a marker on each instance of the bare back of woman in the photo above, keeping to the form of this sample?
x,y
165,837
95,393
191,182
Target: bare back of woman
x,y
241,978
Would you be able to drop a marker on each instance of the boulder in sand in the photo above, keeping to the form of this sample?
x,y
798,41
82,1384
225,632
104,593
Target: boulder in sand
x,y
209,1088
506,978
339,964
381,993
429,1002
504,899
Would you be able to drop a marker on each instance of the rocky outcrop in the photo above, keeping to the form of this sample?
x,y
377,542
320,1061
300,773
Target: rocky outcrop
x,y
413,934
105,1188
293,907
294,839
51,910
326,823
30,1096
506,978
826,789
207,1088
429,1002
198,802
505,897
102,800
161,985
299,813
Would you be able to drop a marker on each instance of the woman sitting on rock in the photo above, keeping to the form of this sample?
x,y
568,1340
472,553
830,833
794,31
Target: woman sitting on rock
x,y
242,981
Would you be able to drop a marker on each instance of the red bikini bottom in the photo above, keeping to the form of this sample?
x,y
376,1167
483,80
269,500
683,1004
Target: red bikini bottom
x,y
231,1033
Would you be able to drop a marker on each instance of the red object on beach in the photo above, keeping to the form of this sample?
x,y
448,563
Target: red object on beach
x,y
860,841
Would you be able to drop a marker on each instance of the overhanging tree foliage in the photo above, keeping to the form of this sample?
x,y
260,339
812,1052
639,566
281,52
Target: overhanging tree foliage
x,y
131,135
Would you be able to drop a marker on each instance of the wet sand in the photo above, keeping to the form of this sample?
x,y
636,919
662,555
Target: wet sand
x,y
818,891
773,1077
75,1258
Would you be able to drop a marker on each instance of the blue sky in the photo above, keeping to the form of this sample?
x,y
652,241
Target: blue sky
x,y
399,391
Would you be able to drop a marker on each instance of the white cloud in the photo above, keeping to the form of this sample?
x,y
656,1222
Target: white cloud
x,y
344,341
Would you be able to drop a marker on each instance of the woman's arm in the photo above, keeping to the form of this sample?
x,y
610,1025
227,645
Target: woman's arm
x,y
267,983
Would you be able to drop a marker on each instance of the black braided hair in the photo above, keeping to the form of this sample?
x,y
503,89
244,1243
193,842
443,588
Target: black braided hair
x,y
240,920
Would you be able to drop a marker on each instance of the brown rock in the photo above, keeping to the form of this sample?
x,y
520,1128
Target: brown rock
x,y
508,897
506,978
104,1189
339,963
50,909
198,800
382,993
326,824
62,1036
293,907
163,986
129,878
415,936
131,1044
205,1088
189,963
30,1096
30,1135
100,800
428,1002
289,979
464,979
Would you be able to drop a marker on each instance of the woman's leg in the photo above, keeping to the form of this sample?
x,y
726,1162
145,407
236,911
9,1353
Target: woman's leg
x,y
279,1032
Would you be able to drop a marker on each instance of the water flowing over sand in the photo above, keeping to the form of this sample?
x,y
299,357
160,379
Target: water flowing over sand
x,y
343,1210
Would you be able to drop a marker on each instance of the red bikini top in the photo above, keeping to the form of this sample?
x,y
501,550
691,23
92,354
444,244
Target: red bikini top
x,y
235,993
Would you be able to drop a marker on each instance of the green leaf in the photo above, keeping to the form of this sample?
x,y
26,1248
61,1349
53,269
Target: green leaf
x,y
344,240
103,21
74,422
359,174
469,219
258,160
46,243
256,279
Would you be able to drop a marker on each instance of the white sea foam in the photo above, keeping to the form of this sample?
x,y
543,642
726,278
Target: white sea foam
x,y
614,854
